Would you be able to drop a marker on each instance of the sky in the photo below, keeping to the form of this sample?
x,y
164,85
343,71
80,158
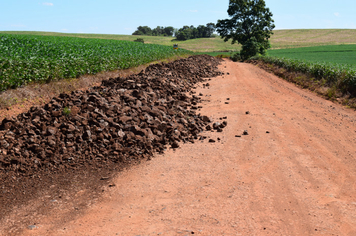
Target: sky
x,y
124,16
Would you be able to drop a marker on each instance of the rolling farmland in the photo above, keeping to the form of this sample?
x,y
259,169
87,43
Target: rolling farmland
x,y
279,40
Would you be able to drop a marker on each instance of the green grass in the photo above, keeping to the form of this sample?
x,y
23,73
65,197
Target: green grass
x,y
335,54
28,58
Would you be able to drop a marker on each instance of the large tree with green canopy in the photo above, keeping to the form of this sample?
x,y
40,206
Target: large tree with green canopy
x,y
250,25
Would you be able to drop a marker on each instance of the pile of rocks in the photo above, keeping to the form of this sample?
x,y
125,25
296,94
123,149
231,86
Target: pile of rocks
x,y
122,120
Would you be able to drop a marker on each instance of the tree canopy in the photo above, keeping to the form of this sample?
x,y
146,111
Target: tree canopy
x,y
250,25
190,32
184,33
158,31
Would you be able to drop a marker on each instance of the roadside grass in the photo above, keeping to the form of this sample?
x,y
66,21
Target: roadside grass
x,y
329,70
333,81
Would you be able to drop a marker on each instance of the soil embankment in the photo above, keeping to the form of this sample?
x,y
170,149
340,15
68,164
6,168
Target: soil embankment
x,y
284,165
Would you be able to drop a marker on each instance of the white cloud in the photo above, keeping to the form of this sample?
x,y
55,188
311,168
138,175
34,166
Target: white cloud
x,y
49,4
64,30
336,14
193,10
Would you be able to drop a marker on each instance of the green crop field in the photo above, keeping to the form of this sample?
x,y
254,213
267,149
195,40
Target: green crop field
x,y
335,54
27,58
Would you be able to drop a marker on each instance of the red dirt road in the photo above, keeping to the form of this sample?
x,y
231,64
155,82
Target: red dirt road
x,y
293,174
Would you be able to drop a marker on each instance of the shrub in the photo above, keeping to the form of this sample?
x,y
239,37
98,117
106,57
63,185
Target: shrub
x,y
139,40
236,57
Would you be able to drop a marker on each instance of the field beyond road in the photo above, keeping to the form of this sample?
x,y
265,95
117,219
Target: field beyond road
x,y
293,173
334,54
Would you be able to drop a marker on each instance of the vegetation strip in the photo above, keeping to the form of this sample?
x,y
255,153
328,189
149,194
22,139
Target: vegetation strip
x,y
333,82
29,58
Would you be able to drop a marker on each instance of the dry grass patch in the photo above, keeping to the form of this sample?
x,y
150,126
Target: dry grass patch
x,y
312,37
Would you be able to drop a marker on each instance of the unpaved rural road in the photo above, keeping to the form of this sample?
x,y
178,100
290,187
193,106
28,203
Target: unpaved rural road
x,y
293,174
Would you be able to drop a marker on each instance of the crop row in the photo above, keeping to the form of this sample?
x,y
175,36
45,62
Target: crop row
x,y
342,76
28,58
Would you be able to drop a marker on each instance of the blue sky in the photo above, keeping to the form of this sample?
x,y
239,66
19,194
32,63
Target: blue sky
x,y
124,16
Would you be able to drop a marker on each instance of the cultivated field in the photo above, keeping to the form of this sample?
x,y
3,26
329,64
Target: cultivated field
x,y
335,54
28,58
280,39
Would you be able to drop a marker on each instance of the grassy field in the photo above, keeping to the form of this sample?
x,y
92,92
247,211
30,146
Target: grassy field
x,y
280,39
335,54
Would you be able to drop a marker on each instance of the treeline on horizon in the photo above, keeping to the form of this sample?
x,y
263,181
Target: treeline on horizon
x,y
184,33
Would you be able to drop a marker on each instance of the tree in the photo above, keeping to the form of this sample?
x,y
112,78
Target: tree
x,y
251,25
143,30
158,31
190,32
201,31
168,31
184,33
210,28
193,32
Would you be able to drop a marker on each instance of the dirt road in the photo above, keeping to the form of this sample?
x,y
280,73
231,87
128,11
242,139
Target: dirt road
x,y
293,174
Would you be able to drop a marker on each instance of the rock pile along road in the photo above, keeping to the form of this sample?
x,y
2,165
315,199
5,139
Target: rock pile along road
x,y
284,164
